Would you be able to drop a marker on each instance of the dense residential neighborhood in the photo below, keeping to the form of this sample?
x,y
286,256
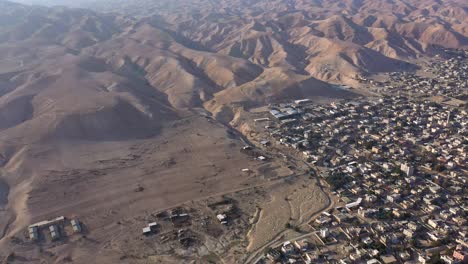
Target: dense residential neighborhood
x,y
397,163
446,80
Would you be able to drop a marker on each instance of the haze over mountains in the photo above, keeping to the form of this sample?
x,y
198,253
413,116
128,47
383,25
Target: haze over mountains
x,y
194,52
121,70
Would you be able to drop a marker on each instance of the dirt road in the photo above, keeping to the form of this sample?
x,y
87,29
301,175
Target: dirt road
x,y
280,237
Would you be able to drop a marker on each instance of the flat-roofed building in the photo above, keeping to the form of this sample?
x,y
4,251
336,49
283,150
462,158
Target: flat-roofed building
x,y
147,230
76,225
33,233
54,232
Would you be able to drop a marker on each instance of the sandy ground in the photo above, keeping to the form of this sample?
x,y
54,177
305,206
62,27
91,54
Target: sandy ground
x,y
193,159
294,202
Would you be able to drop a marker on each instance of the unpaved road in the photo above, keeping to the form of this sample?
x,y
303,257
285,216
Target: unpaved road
x,y
255,255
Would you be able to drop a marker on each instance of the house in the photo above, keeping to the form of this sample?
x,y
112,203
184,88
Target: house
x,y
366,212
302,245
33,233
150,228
367,240
147,231
351,169
406,204
354,204
407,169
355,257
287,248
388,259
273,255
404,255
310,258
345,261
447,259
459,221
340,217
324,233
461,253
54,232
76,225
375,150
390,239
409,233
179,218
434,223
370,198
323,220
422,258
393,197
153,226
413,226
222,218
397,213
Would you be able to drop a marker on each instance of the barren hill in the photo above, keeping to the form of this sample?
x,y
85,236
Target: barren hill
x,y
98,99
352,37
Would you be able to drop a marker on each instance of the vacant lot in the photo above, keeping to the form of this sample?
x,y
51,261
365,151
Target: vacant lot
x,y
291,203
194,158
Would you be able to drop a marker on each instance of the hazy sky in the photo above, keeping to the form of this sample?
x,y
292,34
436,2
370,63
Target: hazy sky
x,y
75,3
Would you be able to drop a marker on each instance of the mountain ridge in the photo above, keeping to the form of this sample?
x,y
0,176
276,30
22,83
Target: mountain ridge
x,y
128,88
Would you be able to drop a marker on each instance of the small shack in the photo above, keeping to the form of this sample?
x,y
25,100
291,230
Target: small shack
x,y
76,225
179,219
147,231
222,218
33,233
54,232
150,228
153,226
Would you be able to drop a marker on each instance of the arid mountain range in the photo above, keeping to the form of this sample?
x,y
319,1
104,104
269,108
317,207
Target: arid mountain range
x,y
124,71
67,67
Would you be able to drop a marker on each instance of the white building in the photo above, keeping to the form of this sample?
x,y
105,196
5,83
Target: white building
x,y
407,169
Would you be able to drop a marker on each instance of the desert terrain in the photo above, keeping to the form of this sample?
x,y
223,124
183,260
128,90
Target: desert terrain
x,y
115,111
